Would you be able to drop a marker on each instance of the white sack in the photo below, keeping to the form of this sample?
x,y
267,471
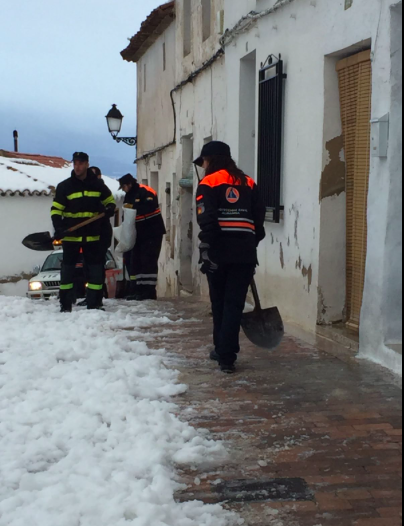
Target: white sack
x,y
126,233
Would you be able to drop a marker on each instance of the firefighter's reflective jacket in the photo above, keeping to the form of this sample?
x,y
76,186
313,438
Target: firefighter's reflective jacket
x,y
149,221
75,201
231,216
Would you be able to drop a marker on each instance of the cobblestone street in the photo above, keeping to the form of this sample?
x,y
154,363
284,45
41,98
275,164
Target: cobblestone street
x,y
331,427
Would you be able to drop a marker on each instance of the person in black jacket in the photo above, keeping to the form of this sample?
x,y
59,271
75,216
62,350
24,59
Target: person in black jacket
x,y
143,260
82,196
231,215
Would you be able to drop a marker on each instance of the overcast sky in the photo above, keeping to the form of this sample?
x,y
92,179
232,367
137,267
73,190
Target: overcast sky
x,y
60,72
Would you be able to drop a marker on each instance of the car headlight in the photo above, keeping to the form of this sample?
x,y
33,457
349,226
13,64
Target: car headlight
x,y
35,286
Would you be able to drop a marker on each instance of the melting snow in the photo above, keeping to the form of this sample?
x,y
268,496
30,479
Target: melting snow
x,y
88,436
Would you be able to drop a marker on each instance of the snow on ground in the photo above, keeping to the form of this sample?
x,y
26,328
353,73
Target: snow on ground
x,y
88,436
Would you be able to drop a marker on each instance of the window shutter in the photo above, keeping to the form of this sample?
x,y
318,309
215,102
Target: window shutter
x,y
271,83
355,81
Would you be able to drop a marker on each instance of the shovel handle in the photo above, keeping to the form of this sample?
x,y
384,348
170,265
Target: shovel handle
x,y
85,223
256,296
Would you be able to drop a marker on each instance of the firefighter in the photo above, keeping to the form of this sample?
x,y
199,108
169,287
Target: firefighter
x,y
143,260
81,197
106,235
231,216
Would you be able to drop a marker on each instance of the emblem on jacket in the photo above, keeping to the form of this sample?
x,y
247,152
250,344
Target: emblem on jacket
x,y
232,196
201,209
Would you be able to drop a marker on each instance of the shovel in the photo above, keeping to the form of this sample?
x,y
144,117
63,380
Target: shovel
x,y
43,242
263,328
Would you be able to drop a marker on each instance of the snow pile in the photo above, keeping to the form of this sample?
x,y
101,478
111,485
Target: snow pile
x,y
18,175
87,437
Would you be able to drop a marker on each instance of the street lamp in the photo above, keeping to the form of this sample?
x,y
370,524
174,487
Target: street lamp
x,y
114,121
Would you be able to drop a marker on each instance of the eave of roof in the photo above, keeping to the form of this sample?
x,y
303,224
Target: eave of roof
x,y
155,24
53,162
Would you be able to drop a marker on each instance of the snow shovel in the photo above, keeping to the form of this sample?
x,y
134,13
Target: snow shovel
x,y
43,242
263,328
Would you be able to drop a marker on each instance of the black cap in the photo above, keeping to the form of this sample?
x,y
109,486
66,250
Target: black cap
x,y
212,149
81,156
126,179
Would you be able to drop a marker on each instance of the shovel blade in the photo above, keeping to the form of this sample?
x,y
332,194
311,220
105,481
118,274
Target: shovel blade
x,y
41,242
264,328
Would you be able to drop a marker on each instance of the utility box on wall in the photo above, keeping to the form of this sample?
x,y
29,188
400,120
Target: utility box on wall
x,y
380,136
348,4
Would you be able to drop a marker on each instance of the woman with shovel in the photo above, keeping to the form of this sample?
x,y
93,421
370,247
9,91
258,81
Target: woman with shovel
x,y
231,215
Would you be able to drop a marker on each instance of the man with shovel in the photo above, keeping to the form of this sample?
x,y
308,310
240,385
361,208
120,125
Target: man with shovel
x,y
83,196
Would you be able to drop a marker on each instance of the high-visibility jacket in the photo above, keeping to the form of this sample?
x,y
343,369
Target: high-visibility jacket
x,y
75,201
149,221
231,216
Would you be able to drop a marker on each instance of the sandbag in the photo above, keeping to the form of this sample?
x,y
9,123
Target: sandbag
x,y
126,233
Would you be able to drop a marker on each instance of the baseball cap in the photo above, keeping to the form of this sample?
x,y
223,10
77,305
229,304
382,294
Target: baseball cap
x,y
126,179
211,149
81,156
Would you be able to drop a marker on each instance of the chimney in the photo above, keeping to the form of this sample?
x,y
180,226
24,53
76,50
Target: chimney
x,y
15,135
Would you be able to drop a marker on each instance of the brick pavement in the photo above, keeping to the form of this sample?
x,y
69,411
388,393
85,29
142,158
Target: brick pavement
x,y
296,413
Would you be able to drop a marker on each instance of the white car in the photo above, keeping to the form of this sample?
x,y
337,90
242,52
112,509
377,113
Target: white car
x,y
46,284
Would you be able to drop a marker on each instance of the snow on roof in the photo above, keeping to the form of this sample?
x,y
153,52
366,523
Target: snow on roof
x,y
35,175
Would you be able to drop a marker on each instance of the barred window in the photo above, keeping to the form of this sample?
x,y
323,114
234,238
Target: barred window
x,y
270,139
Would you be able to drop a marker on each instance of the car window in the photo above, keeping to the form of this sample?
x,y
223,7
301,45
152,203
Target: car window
x,y
53,262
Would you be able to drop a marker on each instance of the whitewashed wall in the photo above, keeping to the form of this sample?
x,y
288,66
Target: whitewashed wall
x,y
303,259
19,217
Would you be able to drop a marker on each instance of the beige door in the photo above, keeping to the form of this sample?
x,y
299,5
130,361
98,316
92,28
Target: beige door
x,y
355,81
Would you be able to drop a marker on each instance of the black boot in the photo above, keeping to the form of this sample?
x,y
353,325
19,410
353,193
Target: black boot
x,y
66,308
228,369
214,356
149,293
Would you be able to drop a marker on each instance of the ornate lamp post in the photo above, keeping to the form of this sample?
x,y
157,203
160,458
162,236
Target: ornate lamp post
x,y
114,121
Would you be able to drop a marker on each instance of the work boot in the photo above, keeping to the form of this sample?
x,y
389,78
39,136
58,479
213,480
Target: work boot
x,y
228,369
82,303
214,356
66,308
149,293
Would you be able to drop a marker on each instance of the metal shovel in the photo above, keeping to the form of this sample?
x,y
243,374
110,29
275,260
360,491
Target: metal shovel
x,y
43,242
263,328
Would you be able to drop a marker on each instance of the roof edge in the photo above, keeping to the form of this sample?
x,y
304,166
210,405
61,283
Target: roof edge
x,y
154,26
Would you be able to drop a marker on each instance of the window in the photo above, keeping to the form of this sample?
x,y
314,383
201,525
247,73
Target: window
x,y
271,82
187,28
206,19
164,57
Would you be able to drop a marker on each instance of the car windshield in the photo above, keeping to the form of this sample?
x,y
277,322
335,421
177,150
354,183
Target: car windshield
x,y
53,262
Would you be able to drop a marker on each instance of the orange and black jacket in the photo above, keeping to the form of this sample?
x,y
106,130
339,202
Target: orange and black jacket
x,y
231,215
75,201
149,221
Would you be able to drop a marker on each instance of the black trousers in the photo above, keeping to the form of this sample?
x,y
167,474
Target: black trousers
x,y
228,292
94,265
144,267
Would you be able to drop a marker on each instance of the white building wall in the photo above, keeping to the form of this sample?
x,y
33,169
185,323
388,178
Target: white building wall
x,y
200,115
303,259
19,217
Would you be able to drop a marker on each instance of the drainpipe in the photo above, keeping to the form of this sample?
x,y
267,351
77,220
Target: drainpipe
x,y
15,135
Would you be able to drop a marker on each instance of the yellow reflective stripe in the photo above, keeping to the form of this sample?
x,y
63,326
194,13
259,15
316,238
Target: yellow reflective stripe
x,y
109,200
79,215
70,286
133,278
56,213
58,206
88,239
73,239
78,195
95,287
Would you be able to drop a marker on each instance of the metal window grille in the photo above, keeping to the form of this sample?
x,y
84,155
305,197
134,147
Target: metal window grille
x,y
271,82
